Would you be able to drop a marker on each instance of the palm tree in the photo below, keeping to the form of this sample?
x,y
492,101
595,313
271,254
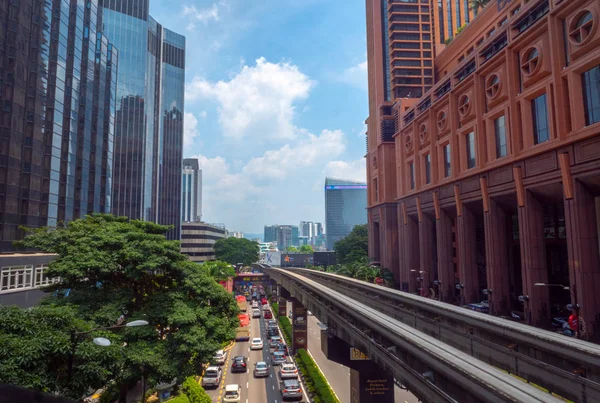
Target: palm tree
x,y
477,4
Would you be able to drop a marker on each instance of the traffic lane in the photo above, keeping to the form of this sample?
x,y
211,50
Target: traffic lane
x,y
256,388
338,375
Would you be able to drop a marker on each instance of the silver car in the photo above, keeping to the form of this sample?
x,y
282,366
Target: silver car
x,y
278,357
261,369
290,389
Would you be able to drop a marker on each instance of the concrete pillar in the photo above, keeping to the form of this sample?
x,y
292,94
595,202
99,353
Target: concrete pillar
x,y
584,270
496,252
299,329
368,382
389,236
533,261
426,242
466,237
409,254
281,308
445,258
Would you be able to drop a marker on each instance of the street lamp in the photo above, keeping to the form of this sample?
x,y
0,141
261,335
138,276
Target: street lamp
x,y
99,341
438,283
564,287
461,288
420,279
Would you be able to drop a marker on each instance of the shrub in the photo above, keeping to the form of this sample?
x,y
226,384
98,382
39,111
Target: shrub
x,y
286,328
180,399
313,378
194,392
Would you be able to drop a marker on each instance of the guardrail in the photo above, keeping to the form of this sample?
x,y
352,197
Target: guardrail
x,y
536,355
24,277
474,379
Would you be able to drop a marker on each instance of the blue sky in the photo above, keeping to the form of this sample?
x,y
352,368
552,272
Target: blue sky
x,y
276,98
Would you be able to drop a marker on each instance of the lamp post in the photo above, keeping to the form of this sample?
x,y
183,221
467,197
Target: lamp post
x,y
564,287
99,341
420,279
438,283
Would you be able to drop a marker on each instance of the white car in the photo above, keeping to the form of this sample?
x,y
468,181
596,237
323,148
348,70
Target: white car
x,y
289,371
220,357
254,304
233,394
255,313
256,344
212,377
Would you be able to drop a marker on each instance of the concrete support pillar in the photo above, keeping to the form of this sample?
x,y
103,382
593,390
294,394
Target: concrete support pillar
x,y
466,237
533,261
496,252
409,254
368,382
426,260
299,329
584,270
389,238
281,307
445,258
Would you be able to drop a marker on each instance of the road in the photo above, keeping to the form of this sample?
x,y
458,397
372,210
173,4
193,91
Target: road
x,y
338,375
254,390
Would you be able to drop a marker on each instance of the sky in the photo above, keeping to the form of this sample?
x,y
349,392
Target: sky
x,y
275,101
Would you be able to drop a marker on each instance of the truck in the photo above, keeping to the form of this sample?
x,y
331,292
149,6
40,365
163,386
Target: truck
x,y
242,333
242,303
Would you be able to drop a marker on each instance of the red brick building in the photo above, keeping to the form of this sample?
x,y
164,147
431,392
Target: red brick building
x,y
489,183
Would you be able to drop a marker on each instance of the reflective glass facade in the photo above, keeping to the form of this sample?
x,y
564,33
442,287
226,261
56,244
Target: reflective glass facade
x,y
149,114
191,191
345,207
51,167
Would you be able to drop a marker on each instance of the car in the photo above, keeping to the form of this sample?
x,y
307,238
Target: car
x,y
233,393
288,371
248,298
256,344
290,388
275,340
281,347
255,313
277,357
272,324
254,304
220,357
264,301
261,369
239,364
268,314
212,377
272,333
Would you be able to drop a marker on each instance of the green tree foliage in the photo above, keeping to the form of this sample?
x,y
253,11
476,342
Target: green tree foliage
x,y
180,399
194,392
306,249
459,30
353,247
477,4
218,270
116,266
35,346
237,250
292,249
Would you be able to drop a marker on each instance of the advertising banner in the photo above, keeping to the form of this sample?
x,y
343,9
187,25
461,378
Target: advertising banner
x,y
299,328
273,258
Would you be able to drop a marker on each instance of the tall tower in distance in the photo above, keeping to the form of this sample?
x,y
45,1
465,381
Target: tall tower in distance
x,y
345,203
191,191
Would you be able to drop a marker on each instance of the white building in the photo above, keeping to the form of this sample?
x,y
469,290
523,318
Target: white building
x,y
191,191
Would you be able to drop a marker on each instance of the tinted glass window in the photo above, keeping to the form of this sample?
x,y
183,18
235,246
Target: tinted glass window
x,y
591,94
539,116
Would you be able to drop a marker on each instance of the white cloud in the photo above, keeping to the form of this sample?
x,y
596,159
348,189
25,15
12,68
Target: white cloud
x,y
203,14
351,170
258,101
355,75
204,114
311,151
190,129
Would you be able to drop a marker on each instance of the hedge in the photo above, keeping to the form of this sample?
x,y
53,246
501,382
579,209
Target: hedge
x,y
194,392
313,378
179,399
286,328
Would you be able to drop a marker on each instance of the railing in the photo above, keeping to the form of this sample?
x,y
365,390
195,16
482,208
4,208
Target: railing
x,y
20,278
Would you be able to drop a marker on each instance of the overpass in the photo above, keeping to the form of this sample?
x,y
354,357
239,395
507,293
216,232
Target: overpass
x,y
438,350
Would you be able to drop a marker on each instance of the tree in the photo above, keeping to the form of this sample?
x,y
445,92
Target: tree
x,y
353,247
291,249
35,346
477,4
194,392
115,266
306,249
237,250
218,270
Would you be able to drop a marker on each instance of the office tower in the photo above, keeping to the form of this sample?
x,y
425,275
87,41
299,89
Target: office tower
x,y
345,207
284,237
191,188
306,229
57,91
295,235
318,229
270,233
198,240
149,123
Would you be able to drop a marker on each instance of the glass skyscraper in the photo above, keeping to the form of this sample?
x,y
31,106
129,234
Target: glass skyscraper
x,y
149,114
57,108
191,188
345,207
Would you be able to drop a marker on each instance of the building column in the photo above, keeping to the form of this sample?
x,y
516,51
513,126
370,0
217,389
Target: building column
x,y
445,258
584,270
409,254
533,261
466,238
426,243
299,328
389,229
496,252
